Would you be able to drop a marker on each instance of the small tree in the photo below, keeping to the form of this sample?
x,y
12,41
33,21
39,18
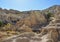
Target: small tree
x,y
49,15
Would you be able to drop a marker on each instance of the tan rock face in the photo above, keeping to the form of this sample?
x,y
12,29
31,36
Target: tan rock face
x,y
32,21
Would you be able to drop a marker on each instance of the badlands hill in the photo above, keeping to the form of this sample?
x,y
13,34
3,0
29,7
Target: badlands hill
x,y
45,23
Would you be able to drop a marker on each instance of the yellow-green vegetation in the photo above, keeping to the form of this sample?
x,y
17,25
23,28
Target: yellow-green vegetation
x,y
7,27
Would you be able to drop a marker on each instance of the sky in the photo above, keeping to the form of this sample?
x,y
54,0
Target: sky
x,y
25,5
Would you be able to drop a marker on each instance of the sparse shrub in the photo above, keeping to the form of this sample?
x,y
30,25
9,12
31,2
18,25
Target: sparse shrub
x,y
49,15
7,27
1,23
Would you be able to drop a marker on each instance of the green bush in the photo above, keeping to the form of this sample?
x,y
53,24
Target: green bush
x,y
1,23
49,15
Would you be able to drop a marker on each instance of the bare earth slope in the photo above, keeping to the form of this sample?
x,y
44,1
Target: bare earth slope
x,y
30,26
